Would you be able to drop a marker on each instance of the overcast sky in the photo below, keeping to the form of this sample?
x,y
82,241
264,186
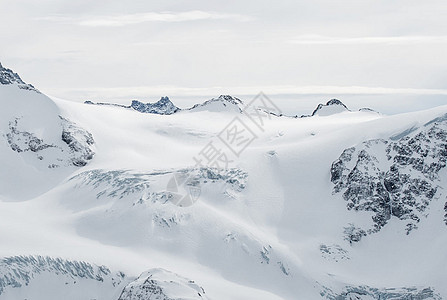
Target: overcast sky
x,y
141,49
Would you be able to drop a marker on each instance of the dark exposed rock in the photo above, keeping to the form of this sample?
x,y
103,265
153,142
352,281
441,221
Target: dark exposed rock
x,y
393,178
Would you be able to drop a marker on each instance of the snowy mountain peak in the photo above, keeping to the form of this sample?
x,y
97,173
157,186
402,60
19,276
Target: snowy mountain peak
x,y
224,103
333,106
164,106
7,76
230,99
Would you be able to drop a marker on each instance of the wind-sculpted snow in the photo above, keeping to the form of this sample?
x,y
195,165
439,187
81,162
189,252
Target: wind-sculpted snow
x,y
370,293
393,178
21,271
159,284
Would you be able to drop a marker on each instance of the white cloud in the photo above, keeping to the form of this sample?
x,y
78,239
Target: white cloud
x,y
324,40
131,19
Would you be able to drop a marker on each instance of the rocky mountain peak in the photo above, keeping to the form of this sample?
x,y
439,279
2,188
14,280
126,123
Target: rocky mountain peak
x,y
7,76
228,98
221,103
164,106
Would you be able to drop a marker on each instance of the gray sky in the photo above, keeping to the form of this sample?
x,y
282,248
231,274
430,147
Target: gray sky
x,y
144,49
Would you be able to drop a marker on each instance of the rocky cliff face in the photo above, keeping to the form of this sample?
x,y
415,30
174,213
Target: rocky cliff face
x,y
7,76
393,178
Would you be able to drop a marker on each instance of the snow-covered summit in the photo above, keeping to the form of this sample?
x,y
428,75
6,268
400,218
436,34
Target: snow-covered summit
x,y
223,103
7,76
333,106
164,106
39,146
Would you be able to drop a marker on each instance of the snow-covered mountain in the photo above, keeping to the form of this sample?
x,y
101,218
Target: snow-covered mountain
x,y
104,202
223,103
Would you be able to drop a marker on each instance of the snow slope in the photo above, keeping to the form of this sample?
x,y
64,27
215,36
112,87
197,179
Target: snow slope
x,y
275,222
